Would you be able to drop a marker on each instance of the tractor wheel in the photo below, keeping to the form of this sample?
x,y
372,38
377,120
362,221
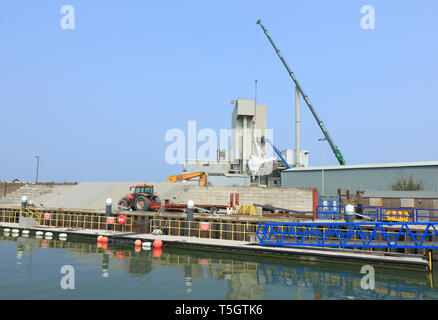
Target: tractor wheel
x,y
157,200
141,204
123,204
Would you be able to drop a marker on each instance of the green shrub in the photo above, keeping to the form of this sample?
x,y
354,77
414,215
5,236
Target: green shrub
x,y
410,184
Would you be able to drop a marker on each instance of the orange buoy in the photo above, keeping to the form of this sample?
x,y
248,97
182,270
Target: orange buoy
x,y
137,243
157,243
157,252
99,238
105,239
120,255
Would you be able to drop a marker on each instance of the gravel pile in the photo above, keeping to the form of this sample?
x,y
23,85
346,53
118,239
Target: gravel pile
x,y
93,195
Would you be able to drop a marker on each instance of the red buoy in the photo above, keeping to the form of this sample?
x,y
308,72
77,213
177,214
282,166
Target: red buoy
x,y
121,219
157,243
105,239
157,252
99,238
137,243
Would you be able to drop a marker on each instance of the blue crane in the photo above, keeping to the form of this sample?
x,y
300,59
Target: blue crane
x,y
277,151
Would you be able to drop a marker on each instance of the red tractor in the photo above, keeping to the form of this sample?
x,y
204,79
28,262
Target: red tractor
x,y
142,199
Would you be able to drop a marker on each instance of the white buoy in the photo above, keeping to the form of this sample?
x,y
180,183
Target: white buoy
x,y
7,230
39,233
146,245
15,231
49,234
25,232
63,236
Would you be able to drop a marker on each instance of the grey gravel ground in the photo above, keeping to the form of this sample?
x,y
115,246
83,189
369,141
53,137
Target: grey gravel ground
x,y
91,195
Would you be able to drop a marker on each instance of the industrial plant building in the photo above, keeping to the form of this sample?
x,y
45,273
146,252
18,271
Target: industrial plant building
x,y
362,177
249,137
248,141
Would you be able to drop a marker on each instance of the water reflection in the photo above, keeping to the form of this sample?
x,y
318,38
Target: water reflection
x,y
105,264
246,277
330,285
24,252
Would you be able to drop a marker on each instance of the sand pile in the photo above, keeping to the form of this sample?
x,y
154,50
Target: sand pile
x,y
93,195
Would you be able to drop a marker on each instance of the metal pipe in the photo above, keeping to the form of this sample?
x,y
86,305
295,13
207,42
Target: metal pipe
x,y
322,164
297,129
38,164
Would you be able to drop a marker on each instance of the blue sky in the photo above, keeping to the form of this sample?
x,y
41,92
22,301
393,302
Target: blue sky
x,y
95,102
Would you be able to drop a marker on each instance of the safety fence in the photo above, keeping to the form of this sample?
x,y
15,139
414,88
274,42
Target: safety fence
x,y
350,235
379,214
67,220
141,224
205,229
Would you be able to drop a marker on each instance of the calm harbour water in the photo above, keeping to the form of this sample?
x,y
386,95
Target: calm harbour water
x,y
30,268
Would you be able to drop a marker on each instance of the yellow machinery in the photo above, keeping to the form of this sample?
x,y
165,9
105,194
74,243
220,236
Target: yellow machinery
x,y
247,210
397,216
193,176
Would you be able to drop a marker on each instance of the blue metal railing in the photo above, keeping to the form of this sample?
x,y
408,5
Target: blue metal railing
x,y
398,214
380,214
426,215
330,208
331,212
372,213
392,235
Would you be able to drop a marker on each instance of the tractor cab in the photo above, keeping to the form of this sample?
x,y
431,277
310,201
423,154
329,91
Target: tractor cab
x,y
143,189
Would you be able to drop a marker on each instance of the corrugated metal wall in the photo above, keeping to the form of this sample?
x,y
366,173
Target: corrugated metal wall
x,y
373,178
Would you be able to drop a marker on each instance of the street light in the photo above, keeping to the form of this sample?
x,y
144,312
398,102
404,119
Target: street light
x,y
38,164
322,166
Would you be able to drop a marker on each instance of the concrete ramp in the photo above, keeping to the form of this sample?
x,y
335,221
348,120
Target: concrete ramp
x,y
93,195
85,195
89,195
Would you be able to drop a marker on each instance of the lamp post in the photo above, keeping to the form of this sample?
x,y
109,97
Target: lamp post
x,y
322,165
37,167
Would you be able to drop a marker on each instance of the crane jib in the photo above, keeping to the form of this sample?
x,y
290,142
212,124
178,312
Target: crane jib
x,y
335,150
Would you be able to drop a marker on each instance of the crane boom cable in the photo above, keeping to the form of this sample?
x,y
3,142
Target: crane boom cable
x,y
335,149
